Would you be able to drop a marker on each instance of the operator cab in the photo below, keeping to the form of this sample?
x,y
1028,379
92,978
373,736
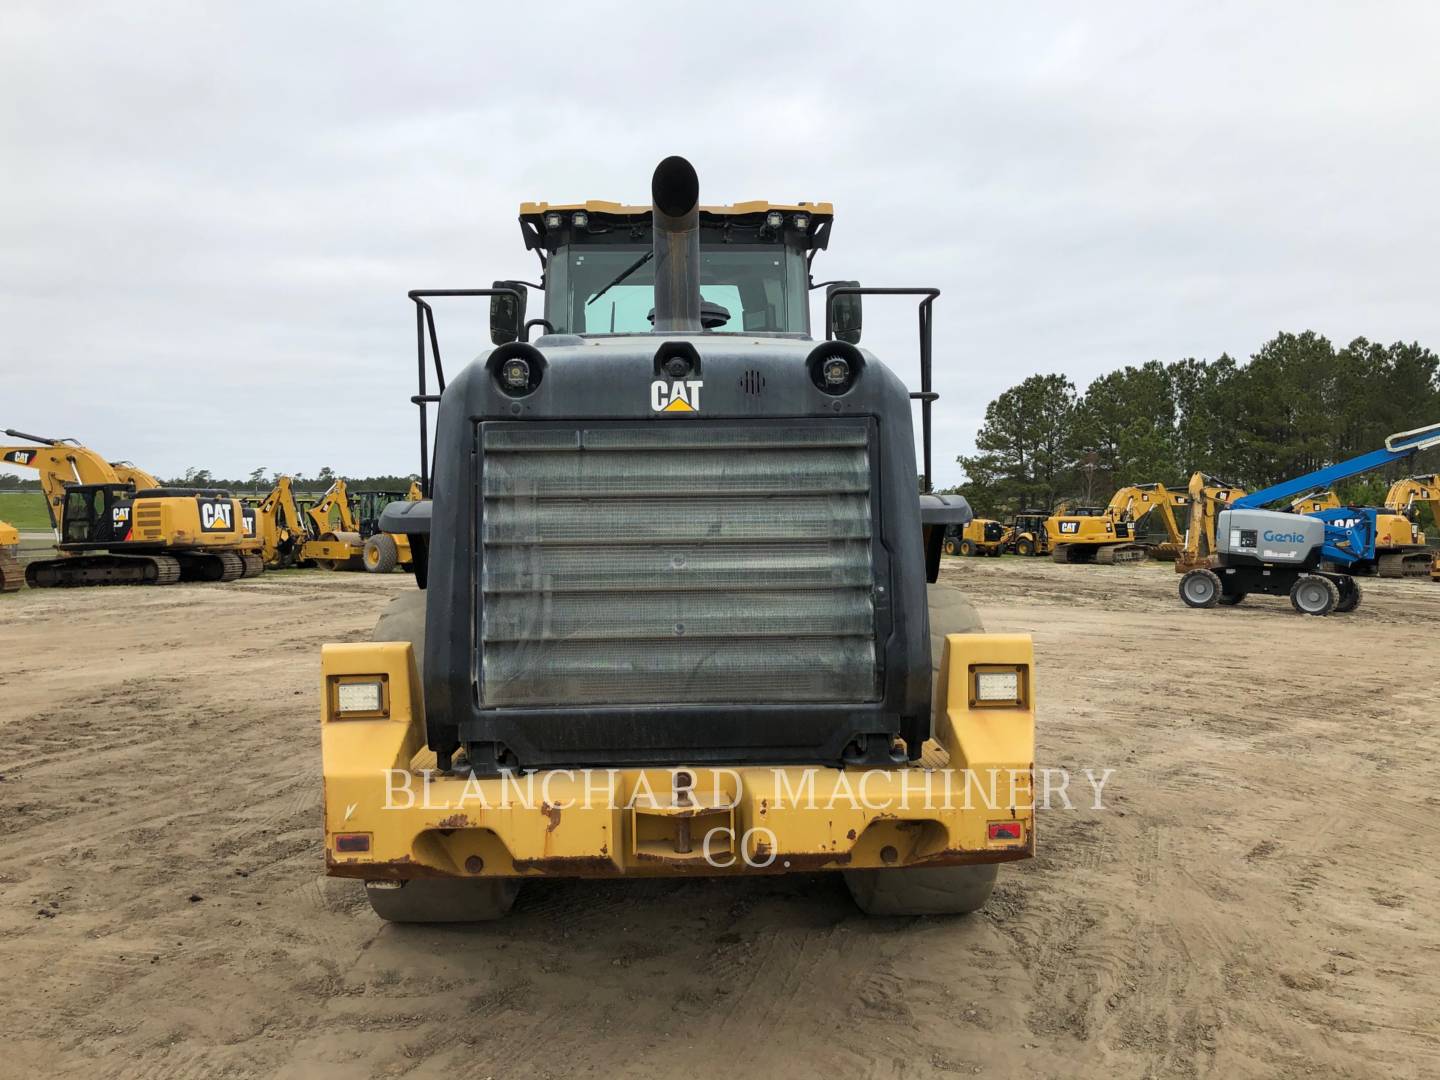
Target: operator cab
x,y
599,269
96,514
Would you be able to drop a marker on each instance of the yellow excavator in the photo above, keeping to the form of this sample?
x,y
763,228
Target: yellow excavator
x,y
1315,501
1397,532
1406,496
111,534
1107,535
11,576
117,526
65,461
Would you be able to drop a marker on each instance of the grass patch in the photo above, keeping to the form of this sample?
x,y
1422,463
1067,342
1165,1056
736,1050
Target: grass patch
x,y
25,510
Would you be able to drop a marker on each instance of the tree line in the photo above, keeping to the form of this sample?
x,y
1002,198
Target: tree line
x,y
1298,404
257,482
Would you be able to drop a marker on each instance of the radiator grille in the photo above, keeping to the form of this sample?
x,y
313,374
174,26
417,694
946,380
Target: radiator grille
x,y
676,562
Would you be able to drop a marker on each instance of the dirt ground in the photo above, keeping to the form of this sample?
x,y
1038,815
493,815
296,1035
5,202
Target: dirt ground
x,y
1258,898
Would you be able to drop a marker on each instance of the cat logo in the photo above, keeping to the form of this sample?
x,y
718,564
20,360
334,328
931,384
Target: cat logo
x,y
1069,526
247,522
20,457
217,515
681,396
120,515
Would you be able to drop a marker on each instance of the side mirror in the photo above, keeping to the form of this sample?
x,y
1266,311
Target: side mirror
x,y
845,317
507,315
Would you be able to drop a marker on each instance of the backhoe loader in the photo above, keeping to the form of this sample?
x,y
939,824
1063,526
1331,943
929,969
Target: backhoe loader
x,y
64,461
672,615
11,575
1026,534
279,525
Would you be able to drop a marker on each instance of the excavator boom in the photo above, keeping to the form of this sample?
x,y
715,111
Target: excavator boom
x,y
65,461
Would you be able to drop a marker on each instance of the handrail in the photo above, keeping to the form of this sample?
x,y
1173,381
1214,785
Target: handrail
x,y
927,395
425,327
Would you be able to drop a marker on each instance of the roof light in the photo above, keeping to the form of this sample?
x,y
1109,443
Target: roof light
x,y
774,219
553,220
801,222
580,219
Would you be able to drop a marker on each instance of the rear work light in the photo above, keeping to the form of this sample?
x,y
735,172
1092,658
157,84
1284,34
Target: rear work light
x,y
1005,830
360,697
998,686
358,843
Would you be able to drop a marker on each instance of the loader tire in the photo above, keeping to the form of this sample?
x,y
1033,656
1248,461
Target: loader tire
x,y
951,548
967,548
922,890
404,620
381,555
1025,547
443,900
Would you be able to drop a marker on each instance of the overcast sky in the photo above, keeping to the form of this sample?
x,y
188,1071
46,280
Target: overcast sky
x,y
211,213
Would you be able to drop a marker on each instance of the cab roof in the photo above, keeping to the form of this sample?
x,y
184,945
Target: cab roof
x,y
818,217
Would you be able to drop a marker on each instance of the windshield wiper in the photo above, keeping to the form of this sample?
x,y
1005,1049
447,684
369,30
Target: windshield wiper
x,y
623,275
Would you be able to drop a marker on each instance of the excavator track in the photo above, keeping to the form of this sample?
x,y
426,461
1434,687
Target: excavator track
x,y
254,565
1404,564
12,575
211,566
84,570
1119,554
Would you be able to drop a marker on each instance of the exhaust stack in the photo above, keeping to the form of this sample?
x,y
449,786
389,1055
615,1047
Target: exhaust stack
x,y
675,193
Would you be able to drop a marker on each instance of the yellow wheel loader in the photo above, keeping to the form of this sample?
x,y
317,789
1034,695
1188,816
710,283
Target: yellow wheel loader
x,y
673,615
978,537
111,534
11,575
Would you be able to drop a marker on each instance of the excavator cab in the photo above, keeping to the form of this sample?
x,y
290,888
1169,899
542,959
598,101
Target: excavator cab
x,y
95,514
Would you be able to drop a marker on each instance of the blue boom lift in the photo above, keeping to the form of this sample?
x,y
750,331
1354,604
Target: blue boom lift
x,y
1266,551
1356,535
